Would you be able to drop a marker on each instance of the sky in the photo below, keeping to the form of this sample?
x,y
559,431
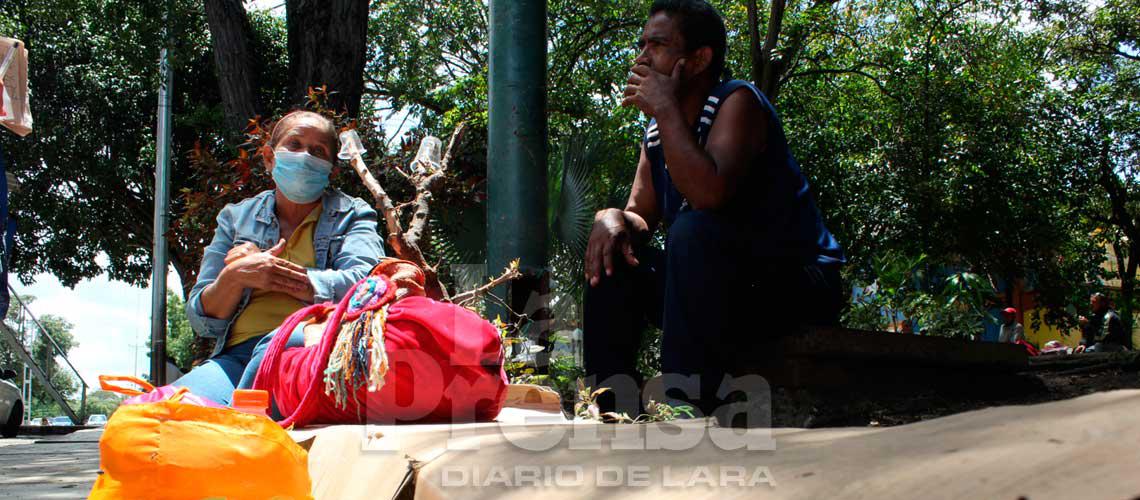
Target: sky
x,y
267,4
109,318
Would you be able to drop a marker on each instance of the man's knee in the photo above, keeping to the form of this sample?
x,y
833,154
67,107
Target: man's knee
x,y
617,287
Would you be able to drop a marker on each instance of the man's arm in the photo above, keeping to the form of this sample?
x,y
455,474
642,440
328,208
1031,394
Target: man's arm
x,y
641,211
708,177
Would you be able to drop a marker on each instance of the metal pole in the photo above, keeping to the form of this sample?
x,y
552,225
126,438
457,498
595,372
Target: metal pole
x,y
83,401
27,393
516,154
161,214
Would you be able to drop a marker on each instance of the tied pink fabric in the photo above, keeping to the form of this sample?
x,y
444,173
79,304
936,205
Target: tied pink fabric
x,y
168,391
445,365
149,394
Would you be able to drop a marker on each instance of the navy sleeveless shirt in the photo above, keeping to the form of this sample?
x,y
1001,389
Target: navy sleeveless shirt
x,y
774,201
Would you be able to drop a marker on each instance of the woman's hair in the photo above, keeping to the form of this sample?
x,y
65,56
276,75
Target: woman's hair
x,y
286,121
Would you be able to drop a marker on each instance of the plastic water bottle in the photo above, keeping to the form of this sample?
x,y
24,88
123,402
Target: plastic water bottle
x,y
253,402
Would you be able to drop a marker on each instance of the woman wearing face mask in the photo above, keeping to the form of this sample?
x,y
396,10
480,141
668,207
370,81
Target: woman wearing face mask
x,y
272,254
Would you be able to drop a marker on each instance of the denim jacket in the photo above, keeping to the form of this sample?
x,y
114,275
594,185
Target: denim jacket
x,y
345,241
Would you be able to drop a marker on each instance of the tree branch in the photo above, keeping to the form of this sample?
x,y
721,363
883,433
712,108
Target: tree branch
x,y
381,89
383,201
425,184
511,273
835,71
754,42
771,77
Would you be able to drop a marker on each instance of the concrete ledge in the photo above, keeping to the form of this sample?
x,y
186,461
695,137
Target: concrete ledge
x,y
860,345
1089,360
837,358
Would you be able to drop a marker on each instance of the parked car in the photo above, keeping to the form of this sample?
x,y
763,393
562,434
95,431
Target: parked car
x,y
98,420
60,421
11,404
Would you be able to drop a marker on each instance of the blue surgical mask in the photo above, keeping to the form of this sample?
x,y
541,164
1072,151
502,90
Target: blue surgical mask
x,y
301,177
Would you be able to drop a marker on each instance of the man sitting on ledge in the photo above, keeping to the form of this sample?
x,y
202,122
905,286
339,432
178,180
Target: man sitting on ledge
x,y
746,254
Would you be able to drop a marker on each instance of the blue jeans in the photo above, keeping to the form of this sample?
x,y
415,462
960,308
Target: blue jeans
x,y
235,368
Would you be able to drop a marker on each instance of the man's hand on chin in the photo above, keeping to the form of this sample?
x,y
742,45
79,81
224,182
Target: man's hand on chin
x,y
652,92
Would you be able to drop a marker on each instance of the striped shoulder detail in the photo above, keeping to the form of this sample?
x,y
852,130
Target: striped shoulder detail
x,y
652,136
708,114
712,106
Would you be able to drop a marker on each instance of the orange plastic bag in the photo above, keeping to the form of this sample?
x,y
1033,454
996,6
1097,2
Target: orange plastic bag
x,y
171,450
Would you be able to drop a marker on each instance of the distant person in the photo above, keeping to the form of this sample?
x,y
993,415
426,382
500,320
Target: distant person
x,y
1011,330
1104,331
746,254
299,243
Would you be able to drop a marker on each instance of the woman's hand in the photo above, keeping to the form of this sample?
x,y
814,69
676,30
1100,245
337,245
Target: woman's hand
x,y
266,271
609,235
242,250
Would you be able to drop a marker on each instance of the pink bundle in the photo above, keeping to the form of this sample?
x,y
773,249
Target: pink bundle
x,y
411,360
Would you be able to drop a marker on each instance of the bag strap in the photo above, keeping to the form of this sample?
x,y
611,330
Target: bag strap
x,y
105,383
268,373
178,395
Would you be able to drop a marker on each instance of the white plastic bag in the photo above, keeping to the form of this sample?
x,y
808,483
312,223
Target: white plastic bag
x,y
15,114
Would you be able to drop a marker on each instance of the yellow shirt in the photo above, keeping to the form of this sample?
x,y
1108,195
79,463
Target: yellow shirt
x,y
267,310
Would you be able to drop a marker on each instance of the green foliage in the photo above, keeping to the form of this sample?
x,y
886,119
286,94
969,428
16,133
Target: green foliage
x,y
179,335
586,407
49,358
996,139
921,126
906,294
1092,121
103,403
87,170
45,353
561,374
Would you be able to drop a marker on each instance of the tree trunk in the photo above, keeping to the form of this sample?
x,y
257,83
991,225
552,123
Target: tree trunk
x,y
1128,286
770,79
767,71
232,36
328,46
1123,219
754,45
